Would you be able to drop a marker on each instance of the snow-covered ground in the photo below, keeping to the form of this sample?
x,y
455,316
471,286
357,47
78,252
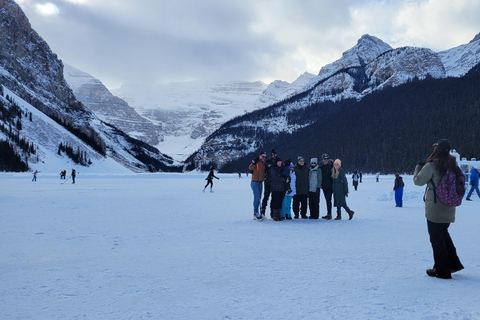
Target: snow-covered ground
x,y
153,246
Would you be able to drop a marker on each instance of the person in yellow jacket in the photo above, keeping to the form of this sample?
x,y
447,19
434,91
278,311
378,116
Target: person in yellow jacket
x,y
257,169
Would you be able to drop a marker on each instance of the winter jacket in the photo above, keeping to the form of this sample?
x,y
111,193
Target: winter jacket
x,y
278,178
293,181
315,179
340,189
268,164
434,212
258,170
211,175
302,174
327,180
474,177
398,183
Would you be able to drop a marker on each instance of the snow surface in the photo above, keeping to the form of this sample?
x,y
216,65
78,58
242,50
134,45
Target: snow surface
x,y
153,246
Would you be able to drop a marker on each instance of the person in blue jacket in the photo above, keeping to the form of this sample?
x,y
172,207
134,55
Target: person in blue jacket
x,y
398,188
473,183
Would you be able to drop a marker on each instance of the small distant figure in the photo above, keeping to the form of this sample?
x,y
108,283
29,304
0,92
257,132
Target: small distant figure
x,y
239,175
377,176
35,175
63,174
361,174
247,174
398,188
355,178
474,183
209,179
74,173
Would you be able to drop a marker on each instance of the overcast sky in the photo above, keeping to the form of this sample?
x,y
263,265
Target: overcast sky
x,y
157,41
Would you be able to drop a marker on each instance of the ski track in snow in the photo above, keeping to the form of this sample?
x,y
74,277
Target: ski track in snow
x,y
153,246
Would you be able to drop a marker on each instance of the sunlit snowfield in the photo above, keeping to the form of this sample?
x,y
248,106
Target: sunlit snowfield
x,y
153,246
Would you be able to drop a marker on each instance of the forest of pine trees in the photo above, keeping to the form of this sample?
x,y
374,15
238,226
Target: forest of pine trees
x,y
77,156
11,126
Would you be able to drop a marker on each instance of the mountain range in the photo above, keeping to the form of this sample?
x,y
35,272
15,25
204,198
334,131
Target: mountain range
x,y
369,67
186,126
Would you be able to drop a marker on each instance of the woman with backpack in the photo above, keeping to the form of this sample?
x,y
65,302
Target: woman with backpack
x,y
439,216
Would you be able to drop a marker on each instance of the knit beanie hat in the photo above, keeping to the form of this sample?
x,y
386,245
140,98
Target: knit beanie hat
x,y
314,160
300,158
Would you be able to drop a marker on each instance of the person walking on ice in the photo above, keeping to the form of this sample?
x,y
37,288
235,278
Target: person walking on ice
x,y
35,175
209,179
474,183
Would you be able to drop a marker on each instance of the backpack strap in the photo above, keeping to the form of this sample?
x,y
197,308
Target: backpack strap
x,y
434,194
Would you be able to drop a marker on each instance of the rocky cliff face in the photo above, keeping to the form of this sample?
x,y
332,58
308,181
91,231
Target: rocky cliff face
x,y
35,74
30,69
395,67
109,108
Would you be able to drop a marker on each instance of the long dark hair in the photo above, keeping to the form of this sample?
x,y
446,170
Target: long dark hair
x,y
443,160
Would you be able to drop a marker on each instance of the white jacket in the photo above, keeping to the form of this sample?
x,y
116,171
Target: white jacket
x,y
293,179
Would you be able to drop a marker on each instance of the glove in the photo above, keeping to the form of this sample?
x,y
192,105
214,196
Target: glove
x,y
289,190
473,184
255,161
318,190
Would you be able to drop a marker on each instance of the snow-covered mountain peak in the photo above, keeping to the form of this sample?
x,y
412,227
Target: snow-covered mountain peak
x,y
367,49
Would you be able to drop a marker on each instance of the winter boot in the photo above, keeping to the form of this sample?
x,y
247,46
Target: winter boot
x,y
276,214
339,215
350,213
327,217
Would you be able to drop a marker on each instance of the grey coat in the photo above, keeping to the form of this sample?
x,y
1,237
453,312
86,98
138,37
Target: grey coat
x,y
314,179
435,212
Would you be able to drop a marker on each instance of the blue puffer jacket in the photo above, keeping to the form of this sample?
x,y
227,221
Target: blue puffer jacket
x,y
474,177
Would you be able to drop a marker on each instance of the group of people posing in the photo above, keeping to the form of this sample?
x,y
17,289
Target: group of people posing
x,y
299,184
